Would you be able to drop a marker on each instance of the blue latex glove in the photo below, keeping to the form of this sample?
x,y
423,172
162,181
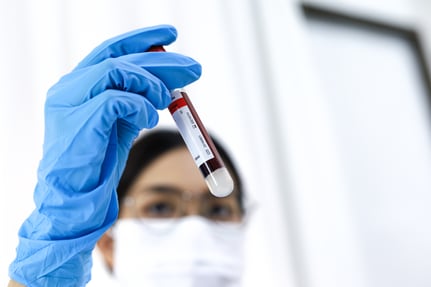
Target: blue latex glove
x,y
92,116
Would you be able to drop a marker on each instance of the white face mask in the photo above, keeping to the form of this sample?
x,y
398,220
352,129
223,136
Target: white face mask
x,y
187,252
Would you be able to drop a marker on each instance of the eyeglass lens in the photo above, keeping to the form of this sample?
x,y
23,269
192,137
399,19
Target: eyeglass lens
x,y
170,202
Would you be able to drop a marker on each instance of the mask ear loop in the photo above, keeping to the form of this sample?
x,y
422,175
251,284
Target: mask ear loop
x,y
105,246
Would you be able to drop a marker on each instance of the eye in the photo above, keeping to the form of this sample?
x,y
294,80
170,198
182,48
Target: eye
x,y
159,209
220,211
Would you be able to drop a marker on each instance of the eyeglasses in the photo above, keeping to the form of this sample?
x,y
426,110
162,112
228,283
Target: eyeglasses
x,y
167,202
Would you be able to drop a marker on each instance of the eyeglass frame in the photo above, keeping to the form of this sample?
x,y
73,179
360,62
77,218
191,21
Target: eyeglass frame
x,y
131,202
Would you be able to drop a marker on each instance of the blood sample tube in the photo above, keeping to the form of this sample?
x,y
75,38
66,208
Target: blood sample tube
x,y
200,145
198,142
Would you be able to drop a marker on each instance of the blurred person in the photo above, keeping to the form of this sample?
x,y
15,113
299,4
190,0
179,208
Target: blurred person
x,y
171,230
93,115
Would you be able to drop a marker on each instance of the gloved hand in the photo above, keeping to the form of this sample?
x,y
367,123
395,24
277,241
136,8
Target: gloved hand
x,y
92,116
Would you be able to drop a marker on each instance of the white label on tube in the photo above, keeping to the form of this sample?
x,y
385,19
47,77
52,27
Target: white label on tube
x,y
189,130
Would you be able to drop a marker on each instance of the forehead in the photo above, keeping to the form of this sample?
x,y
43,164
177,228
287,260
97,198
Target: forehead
x,y
174,168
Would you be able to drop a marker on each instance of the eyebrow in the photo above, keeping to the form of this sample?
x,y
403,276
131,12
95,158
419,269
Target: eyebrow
x,y
171,189
162,188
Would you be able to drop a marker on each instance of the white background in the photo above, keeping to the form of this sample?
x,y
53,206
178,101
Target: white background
x,y
339,174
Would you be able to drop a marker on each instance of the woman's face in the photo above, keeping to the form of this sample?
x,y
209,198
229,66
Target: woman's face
x,y
171,187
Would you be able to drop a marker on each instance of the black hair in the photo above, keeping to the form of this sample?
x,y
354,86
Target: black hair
x,y
151,145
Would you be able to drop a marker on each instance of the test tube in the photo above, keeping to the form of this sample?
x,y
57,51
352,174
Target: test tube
x,y
198,142
200,145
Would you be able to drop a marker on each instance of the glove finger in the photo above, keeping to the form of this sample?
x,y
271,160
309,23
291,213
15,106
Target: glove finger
x,y
174,70
123,115
76,89
88,139
128,109
82,85
136,41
